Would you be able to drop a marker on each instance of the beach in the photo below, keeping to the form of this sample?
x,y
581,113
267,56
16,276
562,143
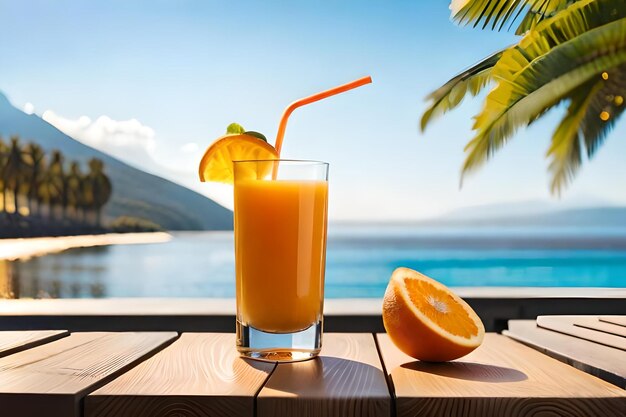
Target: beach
x,y
26,248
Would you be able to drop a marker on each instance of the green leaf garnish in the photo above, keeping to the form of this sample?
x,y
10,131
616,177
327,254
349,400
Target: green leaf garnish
x,y
256,135
235,129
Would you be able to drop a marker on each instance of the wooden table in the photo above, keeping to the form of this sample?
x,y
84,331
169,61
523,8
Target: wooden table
x,y
200,374
594,344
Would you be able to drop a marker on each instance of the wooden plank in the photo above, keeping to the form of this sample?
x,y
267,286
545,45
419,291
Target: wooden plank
x,y
594,323
619,320
500,378
15,341
602,361
201,374
52,379
345,380
566,325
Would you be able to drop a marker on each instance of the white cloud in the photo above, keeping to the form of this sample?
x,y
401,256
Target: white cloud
x,y
135,143
29,108
128,140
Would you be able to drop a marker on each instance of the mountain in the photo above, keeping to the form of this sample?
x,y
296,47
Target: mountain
x,y
580,217
499,210
521,209
540,216
135,193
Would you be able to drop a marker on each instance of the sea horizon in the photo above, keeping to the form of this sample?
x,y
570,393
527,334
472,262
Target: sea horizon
x,y
359,262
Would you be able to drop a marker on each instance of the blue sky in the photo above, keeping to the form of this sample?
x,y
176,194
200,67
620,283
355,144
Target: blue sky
x,y
181,71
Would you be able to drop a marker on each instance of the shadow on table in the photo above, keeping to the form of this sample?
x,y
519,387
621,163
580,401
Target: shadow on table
x,y
469,371
328,376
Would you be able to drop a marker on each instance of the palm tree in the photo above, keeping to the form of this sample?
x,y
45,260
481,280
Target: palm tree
x,y
570,51
3,183
53,182
64,194
75,188
35,160
14,170
100,187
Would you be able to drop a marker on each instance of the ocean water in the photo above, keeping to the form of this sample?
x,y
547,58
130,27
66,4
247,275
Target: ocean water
x,y
360,260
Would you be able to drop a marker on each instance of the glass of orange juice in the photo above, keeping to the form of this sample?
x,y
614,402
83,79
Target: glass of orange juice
x,y
280,254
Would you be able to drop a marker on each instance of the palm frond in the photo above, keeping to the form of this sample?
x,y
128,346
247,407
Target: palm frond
x,y
531,80
565,149
450,95
580,18
499,12
583,16
610,99
593,111
544,9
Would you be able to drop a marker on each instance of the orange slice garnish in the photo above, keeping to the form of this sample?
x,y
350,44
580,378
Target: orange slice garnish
x,y
426,320
217,162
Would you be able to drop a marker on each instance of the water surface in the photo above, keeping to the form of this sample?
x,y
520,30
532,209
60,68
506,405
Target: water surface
x,y
360,260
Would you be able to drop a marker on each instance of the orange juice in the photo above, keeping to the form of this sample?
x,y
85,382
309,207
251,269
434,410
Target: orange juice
x,y
280,252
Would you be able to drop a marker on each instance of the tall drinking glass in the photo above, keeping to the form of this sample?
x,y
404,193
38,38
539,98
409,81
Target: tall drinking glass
x,y
280,255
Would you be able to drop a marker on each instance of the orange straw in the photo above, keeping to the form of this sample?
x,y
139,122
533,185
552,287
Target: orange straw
x,y
311,99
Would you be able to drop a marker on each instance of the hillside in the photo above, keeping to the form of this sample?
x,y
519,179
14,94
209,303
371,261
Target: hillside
x,y
606,216
580,217
135,192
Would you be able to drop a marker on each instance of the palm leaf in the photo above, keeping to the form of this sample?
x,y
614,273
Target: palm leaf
x,y
610,99
450,95
500,12
537,14
583,16
565,149
528,85
571,23
583,119
580,34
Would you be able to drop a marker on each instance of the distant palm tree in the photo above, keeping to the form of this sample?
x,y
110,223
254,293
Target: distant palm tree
x,y
100,186
14,170
571,51
35,160
75,189
53,183
64,194
3,184
24,172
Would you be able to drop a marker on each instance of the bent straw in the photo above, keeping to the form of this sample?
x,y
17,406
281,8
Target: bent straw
x,y
311,99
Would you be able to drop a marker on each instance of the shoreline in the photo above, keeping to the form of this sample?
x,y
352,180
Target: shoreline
x,y
26,248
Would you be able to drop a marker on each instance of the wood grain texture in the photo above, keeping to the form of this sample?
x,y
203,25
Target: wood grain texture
x,y
598,360
500,378
50,380
345,380
15,341
567,325
201,374
594,323
619,320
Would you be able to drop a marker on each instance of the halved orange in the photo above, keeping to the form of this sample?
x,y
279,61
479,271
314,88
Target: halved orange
x,y
426,320
217,162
